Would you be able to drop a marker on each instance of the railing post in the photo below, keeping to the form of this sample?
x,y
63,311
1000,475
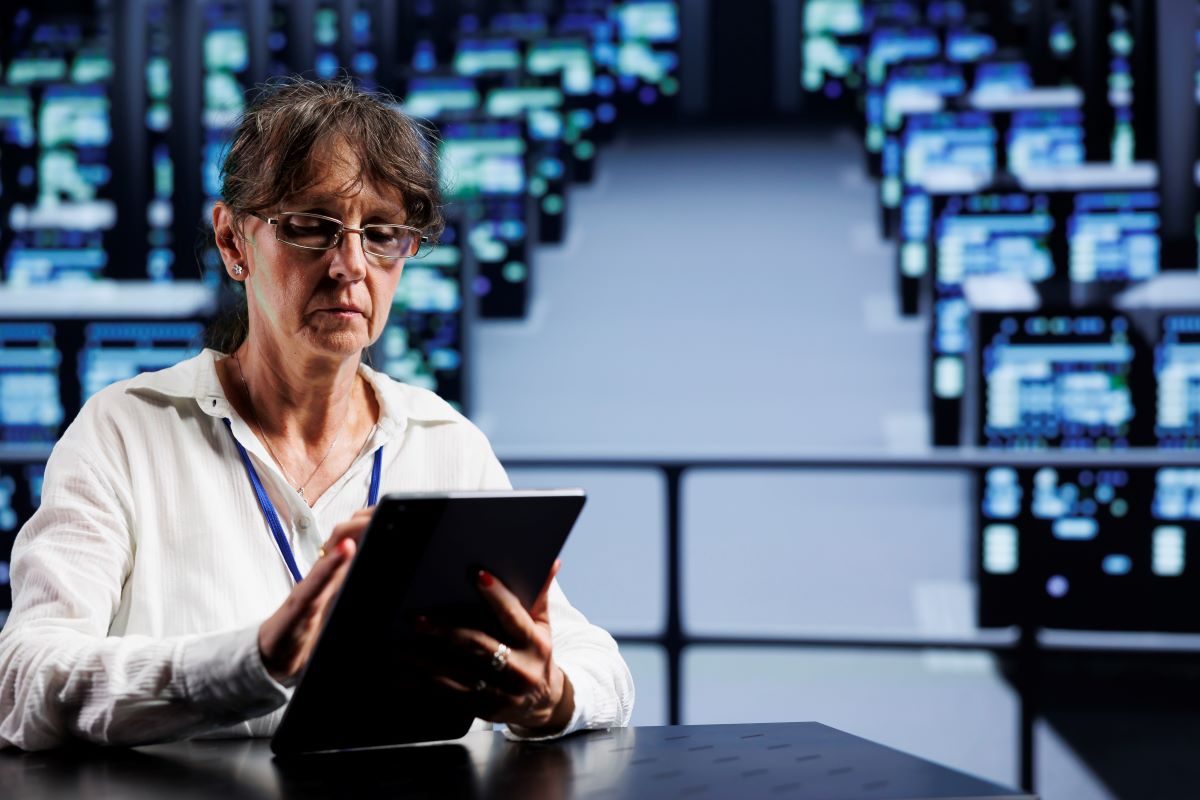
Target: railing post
x,y
674,633
1027,668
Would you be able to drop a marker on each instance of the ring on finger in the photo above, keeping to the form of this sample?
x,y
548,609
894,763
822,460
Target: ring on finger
x,y
321,552
500,657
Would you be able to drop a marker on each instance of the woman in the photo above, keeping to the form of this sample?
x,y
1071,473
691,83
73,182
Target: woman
x,y
154,597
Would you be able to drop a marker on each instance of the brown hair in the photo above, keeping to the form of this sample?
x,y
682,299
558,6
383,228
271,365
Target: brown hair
x,y
270,158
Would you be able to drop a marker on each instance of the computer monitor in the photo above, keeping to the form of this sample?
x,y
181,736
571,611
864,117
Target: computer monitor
x,y
424,340
997,233
570,59
485,172
995,80
31,405
527,25
1044,138
482,160
950,152
834,46
890,46
968,45
1092,548
912,87
1062,379
547,122
480,56
648,20
934,150
1177,376
507,102
1114,236
118,350
20,496
56,225
226,63
444,97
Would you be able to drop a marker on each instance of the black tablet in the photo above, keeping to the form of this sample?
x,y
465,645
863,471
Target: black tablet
x,y
420,555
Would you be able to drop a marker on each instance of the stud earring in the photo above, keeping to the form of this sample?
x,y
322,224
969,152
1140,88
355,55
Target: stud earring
x,y
238,269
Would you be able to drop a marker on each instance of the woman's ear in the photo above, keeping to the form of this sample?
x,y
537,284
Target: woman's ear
x,y
232,246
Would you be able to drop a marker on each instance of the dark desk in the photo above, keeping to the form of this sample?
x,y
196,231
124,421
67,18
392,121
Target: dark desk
x,y
784,760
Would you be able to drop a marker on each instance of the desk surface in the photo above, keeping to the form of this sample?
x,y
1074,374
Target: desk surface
x,y
794,760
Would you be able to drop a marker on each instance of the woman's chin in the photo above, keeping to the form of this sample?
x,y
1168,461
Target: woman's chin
x,y
343,343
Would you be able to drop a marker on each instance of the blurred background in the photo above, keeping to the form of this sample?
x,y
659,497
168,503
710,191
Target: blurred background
x,y
872,327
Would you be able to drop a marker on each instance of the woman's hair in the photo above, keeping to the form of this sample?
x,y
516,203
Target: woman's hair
x,y
270,158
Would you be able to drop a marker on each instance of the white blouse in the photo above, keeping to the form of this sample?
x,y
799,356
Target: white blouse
x,y
140,583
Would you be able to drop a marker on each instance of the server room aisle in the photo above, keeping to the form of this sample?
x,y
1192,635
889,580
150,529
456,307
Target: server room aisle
x,y
746,302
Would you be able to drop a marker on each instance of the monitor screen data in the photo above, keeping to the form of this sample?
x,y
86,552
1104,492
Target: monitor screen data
x,y
116,351
422,343
484,167
1092,548
1044,139
977,236
940,151
20,495
1070,380
1113,236
1177,374
833,48
31,407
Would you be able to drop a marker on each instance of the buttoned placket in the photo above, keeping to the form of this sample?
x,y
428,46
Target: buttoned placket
x,y
303,527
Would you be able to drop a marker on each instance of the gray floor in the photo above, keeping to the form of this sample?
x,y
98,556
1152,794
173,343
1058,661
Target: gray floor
x,y
721,293
726,294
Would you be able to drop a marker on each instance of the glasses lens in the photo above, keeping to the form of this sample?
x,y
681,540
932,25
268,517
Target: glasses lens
x,y
306,230
424,247
391,241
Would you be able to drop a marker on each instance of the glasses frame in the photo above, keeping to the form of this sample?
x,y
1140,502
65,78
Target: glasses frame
x,y
424,241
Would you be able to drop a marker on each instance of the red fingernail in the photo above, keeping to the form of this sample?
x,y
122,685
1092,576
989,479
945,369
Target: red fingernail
x,y
485,578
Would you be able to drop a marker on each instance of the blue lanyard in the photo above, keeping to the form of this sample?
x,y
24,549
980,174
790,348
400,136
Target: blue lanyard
x,y
272,516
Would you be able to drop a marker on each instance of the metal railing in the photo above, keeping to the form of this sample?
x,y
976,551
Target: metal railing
x,y
1023,650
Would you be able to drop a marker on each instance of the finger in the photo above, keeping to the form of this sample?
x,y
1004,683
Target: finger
x,y
512,615
324,601
487,703
540,610
318,578
312,614
470,652
352,528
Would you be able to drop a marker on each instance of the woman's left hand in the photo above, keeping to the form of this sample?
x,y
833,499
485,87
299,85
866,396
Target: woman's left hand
x,y
524,688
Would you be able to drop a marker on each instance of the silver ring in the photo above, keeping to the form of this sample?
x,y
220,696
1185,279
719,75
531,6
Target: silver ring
x,y
480,685
500,658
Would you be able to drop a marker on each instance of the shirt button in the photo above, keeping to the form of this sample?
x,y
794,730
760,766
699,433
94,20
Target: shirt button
x,y
302,523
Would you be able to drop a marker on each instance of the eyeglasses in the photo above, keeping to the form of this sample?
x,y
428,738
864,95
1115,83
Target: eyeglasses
x,y
319,232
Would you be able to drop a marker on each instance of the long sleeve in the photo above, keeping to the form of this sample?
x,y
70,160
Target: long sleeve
x,y
587,654
589,657
62,676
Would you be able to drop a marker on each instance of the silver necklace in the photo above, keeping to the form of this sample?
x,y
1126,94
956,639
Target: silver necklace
x,y
267,442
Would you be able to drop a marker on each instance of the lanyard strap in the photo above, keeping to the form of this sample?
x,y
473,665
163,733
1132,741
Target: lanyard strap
x,y
272,516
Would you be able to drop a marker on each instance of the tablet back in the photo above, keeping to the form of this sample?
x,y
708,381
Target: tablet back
x,y
420,555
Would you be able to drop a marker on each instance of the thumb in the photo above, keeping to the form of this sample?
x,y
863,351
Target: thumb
x,y
540,610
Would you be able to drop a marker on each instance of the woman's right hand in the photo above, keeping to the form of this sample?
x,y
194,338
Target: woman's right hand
x,y
286,639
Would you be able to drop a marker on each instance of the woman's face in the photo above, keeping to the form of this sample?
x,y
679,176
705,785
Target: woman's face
x,y
322,302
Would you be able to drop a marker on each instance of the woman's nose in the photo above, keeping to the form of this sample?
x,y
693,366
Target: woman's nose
x,y
349,259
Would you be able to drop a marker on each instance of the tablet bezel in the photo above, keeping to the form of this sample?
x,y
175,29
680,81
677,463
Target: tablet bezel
x,y
337,703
